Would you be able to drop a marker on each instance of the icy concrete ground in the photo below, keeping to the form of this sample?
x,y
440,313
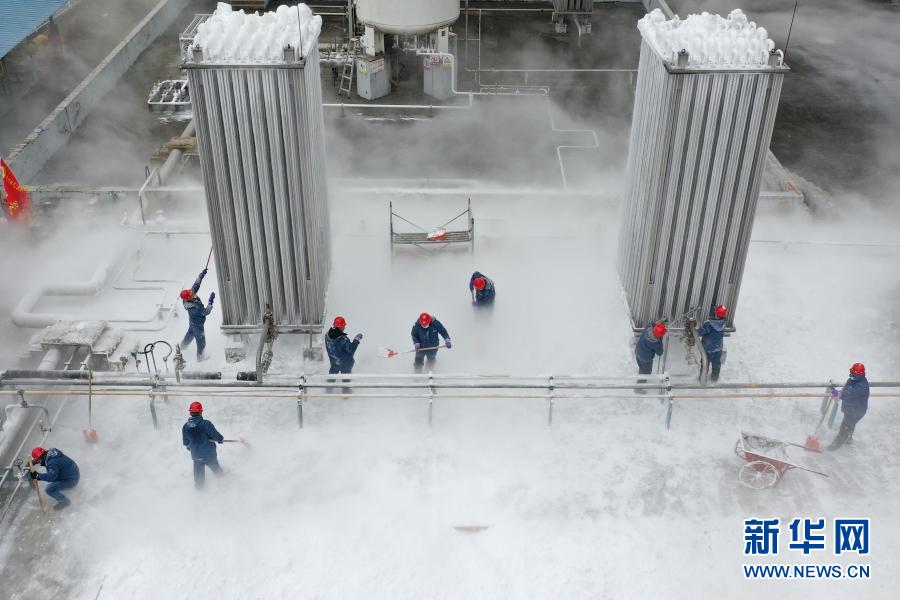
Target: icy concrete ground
x,y
364,500
605,503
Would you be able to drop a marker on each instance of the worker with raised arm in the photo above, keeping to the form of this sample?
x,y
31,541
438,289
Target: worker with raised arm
x,y
197,314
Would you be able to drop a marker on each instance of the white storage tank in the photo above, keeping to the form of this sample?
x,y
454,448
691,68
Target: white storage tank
x,y
407,16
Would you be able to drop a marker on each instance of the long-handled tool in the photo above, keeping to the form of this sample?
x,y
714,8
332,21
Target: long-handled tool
x,y
34,484
208,257
90,434
388,353
240,440
812,441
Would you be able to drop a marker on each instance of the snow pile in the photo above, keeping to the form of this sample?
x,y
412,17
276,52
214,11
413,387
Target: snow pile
x,y
712,42
230,36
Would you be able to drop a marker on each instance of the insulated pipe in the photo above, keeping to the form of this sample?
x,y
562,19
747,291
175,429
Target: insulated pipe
x,y
50,359
175,154
22,315
9,468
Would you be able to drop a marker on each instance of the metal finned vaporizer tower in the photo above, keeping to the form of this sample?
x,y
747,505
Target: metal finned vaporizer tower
x,y
703,117
261,139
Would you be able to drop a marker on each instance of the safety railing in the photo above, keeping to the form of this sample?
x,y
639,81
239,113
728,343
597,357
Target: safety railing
x,y
428,387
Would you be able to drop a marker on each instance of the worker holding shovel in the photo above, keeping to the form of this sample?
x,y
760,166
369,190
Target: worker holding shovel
x,y
854,404
61,473
425,333
200,437
482,289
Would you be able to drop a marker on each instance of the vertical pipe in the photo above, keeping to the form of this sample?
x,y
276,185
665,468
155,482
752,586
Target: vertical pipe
x,y
430,398
550,388
301,393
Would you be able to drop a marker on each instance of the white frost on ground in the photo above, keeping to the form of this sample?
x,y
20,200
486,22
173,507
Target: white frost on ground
x,y
604,504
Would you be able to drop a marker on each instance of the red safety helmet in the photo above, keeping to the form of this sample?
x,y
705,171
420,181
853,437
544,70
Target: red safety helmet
x,y
196,407
659,330
480,282
340,322
186,294
37,453
424,319
858,369
721,311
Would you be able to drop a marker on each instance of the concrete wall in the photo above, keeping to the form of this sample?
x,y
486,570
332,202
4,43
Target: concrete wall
x,y
29,157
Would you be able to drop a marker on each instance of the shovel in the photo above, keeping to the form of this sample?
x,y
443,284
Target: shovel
x,y
812,441
90,434
388,353
238,441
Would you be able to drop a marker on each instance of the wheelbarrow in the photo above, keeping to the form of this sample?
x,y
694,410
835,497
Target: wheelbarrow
x,y
767,460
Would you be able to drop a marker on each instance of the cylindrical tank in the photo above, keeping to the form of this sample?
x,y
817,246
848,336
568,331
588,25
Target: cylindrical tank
x,y
407,16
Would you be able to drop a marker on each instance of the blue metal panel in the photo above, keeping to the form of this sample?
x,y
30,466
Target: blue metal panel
x,y
18,19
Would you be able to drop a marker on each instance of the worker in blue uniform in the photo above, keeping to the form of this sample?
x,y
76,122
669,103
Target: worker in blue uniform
x,y
61,473
200,437
425,333
854,405
482,289
649,345
197,314
712,334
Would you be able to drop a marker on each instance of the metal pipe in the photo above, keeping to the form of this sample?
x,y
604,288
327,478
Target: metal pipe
x,y
440,382
18,451
51,358
175,154
428,392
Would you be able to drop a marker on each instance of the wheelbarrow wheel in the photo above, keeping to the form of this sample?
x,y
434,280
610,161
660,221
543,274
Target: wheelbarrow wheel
x,y
759,475
739,450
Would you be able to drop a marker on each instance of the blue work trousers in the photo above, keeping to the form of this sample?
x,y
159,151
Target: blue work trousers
x,y
200,470
195,332
54,489
715,363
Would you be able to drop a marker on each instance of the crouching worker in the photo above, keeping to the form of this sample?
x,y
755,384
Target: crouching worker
x,y
648,346
482,289
61,473
712,333
854,404
200,437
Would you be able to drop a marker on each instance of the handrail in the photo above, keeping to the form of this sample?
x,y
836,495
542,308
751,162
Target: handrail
x,y
127,386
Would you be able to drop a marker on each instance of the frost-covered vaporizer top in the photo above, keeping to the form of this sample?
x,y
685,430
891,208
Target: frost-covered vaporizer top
x,y
236,37
711,41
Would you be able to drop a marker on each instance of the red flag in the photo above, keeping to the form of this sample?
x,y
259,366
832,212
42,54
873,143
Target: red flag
x,y
18,204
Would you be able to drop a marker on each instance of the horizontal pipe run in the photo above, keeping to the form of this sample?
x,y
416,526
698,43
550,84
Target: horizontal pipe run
x,y
439,382
495,70
273,394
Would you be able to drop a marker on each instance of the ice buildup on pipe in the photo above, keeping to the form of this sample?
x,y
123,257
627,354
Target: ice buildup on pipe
x,y
236,37
712,42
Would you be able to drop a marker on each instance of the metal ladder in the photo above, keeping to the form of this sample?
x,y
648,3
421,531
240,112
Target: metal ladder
x,y
349,65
